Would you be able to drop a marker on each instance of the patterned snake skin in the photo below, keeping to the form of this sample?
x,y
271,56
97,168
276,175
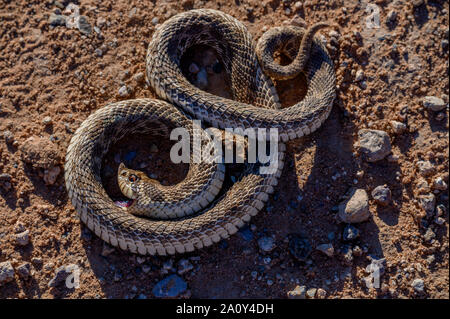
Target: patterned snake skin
x,y
254,105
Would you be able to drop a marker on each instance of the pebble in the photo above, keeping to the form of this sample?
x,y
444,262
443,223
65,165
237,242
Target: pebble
x,y
298,5
24,270
299,247
84,25
47,120
350,233
184,266
299,292
311,293
202,79
418,285
98,52
327,249
171,286
374,144
266,244
356,209
359,75
40,153
382,195
123,91
428,203
429,235
321,293
425,168
8,136
155,21
6,272
50,175
434,103
439,184
57,20
23,238
398,127
139,77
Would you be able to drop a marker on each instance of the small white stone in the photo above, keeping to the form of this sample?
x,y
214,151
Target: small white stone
x,y
439,184
398,127
123,91
359,75
425,168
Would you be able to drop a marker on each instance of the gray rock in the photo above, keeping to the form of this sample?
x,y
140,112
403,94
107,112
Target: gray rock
x,y
356,208
171,286
439,184
84,25
425,168
6,272
311,293
350,233
155,21
24,270
429,235
434,103
418,285
299,292
8,136
398,127
266,244
321,293
359,75
428,203
47,120
123,91
327,249
23,238
382,195
57,20
374,144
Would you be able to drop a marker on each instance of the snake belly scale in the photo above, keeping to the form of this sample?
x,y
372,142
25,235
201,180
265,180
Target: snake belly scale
x,y
255,104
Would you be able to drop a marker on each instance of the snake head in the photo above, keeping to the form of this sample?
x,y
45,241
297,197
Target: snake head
x,y
128,180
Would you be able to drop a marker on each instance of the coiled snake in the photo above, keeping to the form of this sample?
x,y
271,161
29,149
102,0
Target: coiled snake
x,y
255,104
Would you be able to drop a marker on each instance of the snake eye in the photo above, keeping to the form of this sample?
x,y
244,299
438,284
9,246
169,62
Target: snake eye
x,y
133,178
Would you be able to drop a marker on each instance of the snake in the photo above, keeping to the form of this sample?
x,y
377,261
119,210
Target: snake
x,y
198,211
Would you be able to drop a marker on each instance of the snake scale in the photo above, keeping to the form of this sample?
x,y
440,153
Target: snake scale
x,y
254,104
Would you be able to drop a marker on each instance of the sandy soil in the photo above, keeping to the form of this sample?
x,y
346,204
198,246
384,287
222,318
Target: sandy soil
x,y
53,77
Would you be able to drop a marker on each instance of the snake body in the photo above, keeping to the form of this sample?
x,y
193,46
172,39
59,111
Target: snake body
x,y
254,105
